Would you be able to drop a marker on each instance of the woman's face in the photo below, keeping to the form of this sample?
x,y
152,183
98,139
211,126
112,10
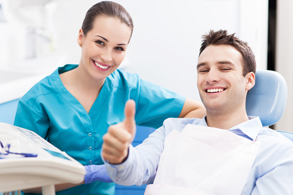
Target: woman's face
x,y
104,47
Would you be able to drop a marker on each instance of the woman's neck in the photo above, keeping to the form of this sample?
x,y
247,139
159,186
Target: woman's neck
x,y
82,86
81,78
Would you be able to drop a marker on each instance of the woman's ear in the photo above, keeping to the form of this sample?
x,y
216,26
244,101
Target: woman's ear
x,y
80,37
250,80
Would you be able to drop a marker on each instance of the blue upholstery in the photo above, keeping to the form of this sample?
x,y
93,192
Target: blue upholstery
x,y
268,98
141,134
287,134
7,112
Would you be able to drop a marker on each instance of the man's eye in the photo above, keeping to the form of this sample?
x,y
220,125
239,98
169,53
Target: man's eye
x,y
100,42
119,49
225,69
205,70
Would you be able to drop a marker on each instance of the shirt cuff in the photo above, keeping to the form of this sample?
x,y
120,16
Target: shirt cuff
x,y
117,171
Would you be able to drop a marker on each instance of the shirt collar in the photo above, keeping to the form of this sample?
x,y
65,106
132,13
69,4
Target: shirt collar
x,y
203,122
250,128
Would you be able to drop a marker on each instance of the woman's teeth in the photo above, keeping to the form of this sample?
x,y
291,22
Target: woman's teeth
x,y
101,66
214,90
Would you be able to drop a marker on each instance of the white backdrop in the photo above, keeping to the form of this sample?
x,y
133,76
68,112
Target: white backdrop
x,y
166,38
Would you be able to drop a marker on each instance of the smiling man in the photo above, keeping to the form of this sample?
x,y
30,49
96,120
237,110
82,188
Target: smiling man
x,y
226,152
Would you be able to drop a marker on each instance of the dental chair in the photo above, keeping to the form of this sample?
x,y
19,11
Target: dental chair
x,y
267,99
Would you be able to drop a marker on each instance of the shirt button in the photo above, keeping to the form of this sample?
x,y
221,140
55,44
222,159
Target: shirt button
x,y
121,167
90,148
90,162
89,134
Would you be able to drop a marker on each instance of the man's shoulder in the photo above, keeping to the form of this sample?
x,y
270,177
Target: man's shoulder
x,y
274,136
275,150
274,143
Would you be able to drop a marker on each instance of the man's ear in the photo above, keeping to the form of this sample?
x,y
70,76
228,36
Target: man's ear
x,y
250,80
80,37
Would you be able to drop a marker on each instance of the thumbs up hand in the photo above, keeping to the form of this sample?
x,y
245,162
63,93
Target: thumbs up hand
x,y
119,136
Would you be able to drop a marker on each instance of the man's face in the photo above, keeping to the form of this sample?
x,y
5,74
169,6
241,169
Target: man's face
x,y
220,79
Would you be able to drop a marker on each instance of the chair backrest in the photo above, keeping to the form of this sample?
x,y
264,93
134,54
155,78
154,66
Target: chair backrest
x,y
268,98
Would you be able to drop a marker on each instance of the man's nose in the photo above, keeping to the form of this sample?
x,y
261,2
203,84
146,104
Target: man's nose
x,y
213,76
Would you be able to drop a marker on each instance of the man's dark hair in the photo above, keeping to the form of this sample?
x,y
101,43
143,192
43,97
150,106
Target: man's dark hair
x,y
221,37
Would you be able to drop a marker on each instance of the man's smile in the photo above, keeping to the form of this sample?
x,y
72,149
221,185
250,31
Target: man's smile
x,y
215,90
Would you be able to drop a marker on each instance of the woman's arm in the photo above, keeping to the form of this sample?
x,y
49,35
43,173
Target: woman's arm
x,y
93,173
192,109
58,187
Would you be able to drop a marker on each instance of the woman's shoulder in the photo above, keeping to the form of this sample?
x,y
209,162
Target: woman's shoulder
x,y
44,87
122,79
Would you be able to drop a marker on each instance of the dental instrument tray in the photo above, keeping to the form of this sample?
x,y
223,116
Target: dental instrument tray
x,y
29,161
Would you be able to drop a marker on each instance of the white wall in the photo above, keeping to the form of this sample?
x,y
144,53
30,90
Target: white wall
x,y
284,57
167,34
166,45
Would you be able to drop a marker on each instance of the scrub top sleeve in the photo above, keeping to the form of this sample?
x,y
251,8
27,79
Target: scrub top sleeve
x,y
155,104
26,117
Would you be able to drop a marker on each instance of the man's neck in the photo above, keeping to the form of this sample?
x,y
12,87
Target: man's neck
x,y
227,120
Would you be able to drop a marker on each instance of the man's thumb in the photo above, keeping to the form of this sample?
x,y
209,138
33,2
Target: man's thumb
x,y
129,121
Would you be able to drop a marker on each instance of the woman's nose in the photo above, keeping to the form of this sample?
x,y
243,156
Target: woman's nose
x,y
106,55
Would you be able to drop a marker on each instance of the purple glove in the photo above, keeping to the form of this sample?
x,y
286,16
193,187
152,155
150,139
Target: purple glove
x,y
96,173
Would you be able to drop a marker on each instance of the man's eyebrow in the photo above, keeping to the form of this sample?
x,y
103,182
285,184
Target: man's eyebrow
x,y
225,62
108,41
218,62
200,64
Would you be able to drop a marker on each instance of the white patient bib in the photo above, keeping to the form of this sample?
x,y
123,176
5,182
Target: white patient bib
x,y
204,161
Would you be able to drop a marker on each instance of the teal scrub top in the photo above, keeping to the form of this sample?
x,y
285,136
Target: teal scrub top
x,y
51,111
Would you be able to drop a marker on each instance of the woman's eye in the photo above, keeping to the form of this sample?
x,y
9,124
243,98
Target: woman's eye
x,y
100,42
119,49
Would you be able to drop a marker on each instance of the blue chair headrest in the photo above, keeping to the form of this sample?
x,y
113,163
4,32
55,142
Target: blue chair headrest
x,y
268,98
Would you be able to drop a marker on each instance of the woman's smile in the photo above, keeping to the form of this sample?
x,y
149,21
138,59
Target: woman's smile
x,y
101,66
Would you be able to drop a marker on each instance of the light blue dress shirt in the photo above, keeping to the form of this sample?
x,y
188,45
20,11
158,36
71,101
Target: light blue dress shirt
x,y
271,173
51,111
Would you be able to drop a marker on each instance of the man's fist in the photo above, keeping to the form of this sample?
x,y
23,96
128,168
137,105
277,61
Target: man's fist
x,y
119,136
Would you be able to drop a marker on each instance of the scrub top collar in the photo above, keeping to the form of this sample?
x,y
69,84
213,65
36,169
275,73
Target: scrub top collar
x,y
249,129
56,80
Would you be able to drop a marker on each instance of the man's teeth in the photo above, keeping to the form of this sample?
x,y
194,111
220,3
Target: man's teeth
x,y
100,66
214,90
